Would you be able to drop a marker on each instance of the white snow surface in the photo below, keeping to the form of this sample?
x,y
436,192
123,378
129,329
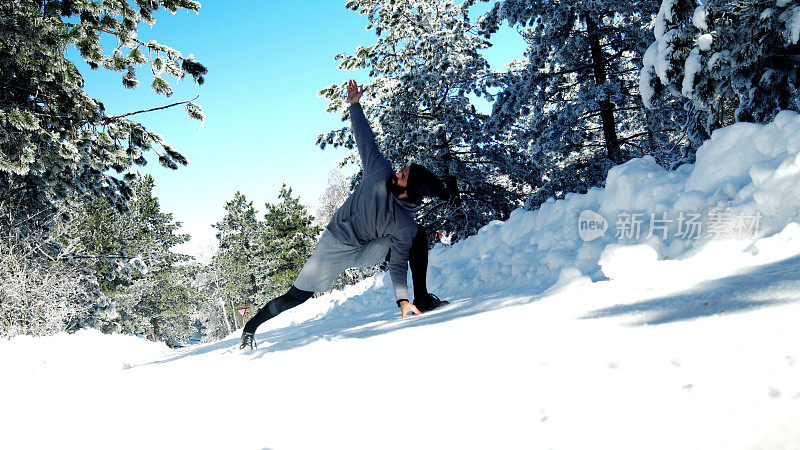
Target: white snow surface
x,y
660,341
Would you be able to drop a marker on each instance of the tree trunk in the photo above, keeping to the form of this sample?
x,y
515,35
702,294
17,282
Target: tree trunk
x,y
156,330
450,181
233,311
606,106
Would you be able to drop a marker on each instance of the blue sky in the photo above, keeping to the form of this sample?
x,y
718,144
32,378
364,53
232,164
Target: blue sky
x,y
267,60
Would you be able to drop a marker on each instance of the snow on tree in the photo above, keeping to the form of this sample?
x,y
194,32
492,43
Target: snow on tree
x,y
425,64
573,102
733,60
56,142
142,237
217,315
162,305
336,192
38,299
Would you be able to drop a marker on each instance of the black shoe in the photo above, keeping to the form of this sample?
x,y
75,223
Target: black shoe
x,y
247,342
429,302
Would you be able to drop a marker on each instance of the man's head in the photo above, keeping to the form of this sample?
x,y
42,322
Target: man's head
x,y
414,182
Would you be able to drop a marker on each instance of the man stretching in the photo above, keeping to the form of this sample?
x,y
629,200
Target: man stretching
x,y
377,218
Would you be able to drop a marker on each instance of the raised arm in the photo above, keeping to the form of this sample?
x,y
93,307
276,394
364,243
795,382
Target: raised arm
x,y
371,158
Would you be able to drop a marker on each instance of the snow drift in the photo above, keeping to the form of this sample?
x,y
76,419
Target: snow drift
x,y
745,172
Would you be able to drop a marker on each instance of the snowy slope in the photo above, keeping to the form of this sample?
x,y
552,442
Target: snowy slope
x,y
664,341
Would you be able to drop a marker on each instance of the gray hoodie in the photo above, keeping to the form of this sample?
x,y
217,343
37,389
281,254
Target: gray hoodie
x,y
371,212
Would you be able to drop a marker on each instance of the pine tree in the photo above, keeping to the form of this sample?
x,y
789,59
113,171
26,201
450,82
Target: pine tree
x,y
132,258
425,65
258,261
144,234
162,305
734,60
289,239
239,254
573,103
56,142
58,146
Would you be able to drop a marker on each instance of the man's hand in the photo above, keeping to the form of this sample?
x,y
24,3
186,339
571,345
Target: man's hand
x,y
406,307
354,92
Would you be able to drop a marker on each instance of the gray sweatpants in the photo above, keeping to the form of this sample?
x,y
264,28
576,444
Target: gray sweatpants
x,y
332,257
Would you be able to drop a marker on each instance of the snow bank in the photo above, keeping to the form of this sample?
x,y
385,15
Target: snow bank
x,y
89,348
744,186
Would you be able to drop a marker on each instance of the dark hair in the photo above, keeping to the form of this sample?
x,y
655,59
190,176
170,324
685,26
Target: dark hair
x,y
423,183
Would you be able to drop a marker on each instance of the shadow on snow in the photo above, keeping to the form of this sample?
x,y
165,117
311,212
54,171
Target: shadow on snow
x,y
376,322
363,324
762,286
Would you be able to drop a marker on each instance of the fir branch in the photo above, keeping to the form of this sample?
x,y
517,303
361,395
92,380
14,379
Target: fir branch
x,y
112,118
596,113
645,133
119,35
68,257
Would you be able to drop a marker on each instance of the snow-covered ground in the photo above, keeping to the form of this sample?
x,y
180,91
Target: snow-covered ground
x,y
670,320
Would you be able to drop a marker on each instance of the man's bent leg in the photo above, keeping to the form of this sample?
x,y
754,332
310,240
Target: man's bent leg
x,y
276,306
418,261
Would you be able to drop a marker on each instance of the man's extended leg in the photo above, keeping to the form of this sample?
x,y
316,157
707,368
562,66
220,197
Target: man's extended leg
x,y
274,307
418,262
329,260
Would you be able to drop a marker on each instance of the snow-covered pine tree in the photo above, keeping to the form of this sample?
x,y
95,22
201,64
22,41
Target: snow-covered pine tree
x,y
424,65
257,261
573,103
132,258
110,239
56,142
735,60
162,305
289,239
235,263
